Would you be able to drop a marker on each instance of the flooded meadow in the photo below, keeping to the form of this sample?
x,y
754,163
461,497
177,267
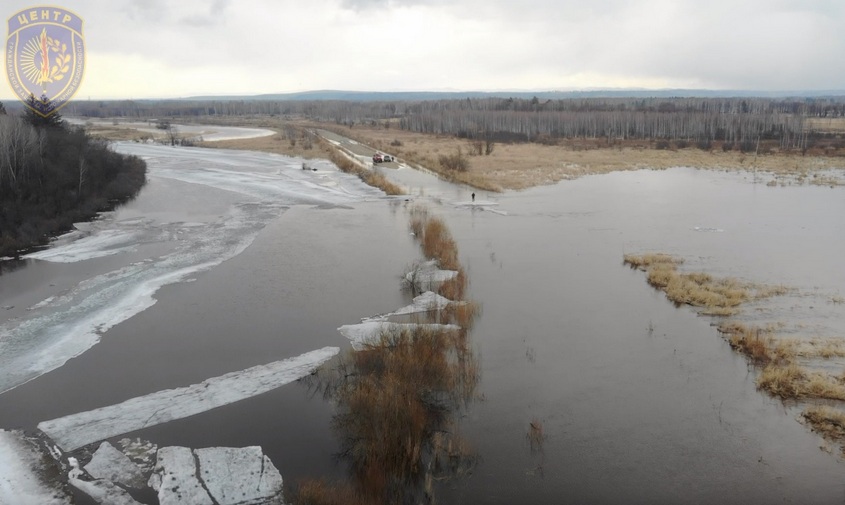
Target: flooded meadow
x,y
573,380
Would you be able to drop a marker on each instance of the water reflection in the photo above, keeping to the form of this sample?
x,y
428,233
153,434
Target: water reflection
x,y
10,265
398,396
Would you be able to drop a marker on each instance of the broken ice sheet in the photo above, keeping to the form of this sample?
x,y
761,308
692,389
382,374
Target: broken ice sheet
x,y
238,475
78,430
216,475
175,478
110,464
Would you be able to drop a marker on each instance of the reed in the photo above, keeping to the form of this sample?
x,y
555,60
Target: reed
x,y
397,396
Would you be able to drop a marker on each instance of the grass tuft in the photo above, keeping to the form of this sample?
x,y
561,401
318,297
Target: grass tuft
x,y
718,297
826,420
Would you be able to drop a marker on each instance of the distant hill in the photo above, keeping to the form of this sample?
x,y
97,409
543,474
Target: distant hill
x,y
389,96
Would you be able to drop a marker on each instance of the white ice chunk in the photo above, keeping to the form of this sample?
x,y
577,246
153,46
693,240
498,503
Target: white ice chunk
x,y
368,332
21,477
428,275
77,430
235,476
425,302
175,478
110,464
103,492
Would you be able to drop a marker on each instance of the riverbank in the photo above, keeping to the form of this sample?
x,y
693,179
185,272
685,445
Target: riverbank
x,y
500,166
56,177
791,367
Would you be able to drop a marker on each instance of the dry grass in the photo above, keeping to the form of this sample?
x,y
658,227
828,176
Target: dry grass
x,y
276,144
371,177
781,377
644,261
760,344
117,133
712,296
825,348
435,239
437,244
462,314
792,382
397,397
827,421
522,165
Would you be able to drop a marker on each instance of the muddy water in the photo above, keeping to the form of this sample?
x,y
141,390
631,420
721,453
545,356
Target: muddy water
x,y
639,401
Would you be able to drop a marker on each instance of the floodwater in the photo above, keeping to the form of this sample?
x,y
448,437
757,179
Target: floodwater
x,y
249,259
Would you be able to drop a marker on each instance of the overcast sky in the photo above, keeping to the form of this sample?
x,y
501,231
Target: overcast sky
x,y
169,48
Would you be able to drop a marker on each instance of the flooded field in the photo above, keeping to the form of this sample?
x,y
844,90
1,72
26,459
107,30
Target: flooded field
x,y
593,387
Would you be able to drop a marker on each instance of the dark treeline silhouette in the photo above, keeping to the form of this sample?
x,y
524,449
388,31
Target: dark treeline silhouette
x,y
740,120
52,175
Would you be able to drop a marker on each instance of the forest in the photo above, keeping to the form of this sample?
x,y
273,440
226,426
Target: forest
x,y
52,175
741,121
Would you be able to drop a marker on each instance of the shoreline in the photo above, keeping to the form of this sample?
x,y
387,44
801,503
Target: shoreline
x,y
522,165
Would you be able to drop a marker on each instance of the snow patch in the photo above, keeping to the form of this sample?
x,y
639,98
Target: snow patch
x,y
21,474
77,430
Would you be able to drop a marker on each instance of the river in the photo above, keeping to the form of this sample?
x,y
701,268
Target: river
x,y
232,259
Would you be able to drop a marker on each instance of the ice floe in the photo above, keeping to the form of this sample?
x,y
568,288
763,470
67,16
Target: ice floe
x,y
22,470
61,328
110,464
77,430
425,302
216,475
102,491
237,476
104,243
427,276
370,329
181,475
176,480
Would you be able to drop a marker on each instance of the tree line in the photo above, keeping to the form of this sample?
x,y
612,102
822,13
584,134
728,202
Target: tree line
x,y
702,120
52,175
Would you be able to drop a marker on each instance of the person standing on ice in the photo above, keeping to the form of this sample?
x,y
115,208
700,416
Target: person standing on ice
x,y
473,197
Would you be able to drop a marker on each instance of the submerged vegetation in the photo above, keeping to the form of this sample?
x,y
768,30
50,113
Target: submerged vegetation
x,y
714,297
783,372
397,395
52,175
